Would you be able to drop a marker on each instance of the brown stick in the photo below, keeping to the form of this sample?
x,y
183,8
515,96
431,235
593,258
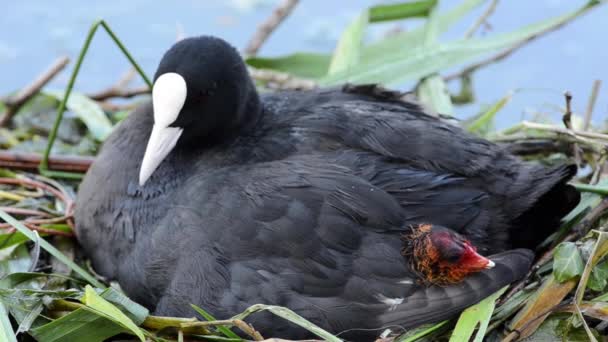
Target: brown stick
x,y
269,25
14,103
279,80
119,92
30,162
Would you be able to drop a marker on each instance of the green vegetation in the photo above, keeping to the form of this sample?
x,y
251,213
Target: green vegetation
x,y
564,298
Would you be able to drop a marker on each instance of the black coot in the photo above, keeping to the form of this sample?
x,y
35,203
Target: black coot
x,y
219,197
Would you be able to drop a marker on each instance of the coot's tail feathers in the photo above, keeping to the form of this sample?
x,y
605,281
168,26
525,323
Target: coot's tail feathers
x,y
548,198
433,304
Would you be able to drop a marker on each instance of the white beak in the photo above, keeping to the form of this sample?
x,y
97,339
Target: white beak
x,y
168,97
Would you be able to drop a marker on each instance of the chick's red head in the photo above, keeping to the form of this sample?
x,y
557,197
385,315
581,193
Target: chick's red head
x,y
441,256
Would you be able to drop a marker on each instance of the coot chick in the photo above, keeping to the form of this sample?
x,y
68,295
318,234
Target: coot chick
x,y
219,197
441,256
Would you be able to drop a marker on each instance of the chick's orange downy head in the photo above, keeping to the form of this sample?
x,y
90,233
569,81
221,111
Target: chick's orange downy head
x,y
441,256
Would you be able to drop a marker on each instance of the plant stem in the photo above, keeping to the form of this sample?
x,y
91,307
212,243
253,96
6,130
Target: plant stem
x,y
44,163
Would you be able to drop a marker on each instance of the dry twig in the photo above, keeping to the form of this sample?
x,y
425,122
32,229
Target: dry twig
x,y
31,161
502,55
119,88
280,80
580,135
482,20
119,92
14,103
269,25
567,120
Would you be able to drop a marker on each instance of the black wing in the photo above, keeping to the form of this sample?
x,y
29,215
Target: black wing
x,y
301,233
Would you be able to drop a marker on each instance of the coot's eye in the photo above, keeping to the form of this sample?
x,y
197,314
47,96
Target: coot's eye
x,y
452,255
204,95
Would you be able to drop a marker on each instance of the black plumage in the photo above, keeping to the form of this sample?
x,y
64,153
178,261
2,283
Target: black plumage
x,y
300,199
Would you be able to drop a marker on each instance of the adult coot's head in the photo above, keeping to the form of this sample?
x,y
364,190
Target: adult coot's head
x,y
202,94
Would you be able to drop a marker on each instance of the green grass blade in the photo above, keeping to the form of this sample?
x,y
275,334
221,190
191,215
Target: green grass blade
x,y
301,64
482,122
349,46
106,309
413,38
80,325
290,316
413,63
63,104
477,315
51,249
409,9
595,189
433,90
6,329
315,65
88,111
434,93
224,330
416,334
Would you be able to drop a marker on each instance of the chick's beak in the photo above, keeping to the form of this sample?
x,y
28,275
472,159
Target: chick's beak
x,y
474,261
168,98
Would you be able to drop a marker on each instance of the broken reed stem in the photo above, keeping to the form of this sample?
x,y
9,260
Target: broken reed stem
x,y
572,132
567,120
14,103
185,325
279,80
266,28
506,53
597,84
30,161
482,20
113,92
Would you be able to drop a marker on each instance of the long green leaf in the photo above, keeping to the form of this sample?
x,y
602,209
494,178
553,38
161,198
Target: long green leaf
x,y
484,120
305,65
315,65
433,90
106,309
419,332
224,330
80,325
349,46
414,63
290,316
409,9
6,329
478,314
413,38
50,248
595,189
134,311
88,111
434,93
